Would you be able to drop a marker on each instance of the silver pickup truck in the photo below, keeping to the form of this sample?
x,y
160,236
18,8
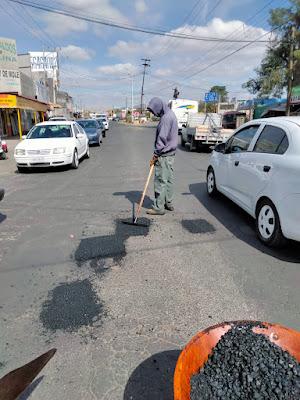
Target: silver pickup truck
x,y
203,131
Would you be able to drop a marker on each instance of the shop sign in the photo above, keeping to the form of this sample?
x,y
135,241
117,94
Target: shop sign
x,y
9,70
44,61
296,94
8,101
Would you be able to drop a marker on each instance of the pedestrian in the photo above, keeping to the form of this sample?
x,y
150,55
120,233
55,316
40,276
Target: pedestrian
x,y
165,145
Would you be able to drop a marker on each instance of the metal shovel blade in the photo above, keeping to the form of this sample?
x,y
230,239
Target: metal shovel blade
x,y
15,382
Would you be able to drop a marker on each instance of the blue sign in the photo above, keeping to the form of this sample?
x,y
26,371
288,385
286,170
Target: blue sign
x,y
211,97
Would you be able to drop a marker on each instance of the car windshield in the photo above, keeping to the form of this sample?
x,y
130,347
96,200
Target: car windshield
x,y
100,121
50,132
88,124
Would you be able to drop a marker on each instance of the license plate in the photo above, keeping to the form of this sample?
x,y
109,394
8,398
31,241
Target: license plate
x,y
39,159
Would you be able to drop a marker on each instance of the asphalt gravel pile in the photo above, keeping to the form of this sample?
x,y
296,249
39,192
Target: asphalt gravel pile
x,y
71,306
246,365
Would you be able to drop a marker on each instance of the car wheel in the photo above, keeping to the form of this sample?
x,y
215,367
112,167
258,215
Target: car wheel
x,y
75,162
104,134
268,224
211,183
99,141
87,154
183,142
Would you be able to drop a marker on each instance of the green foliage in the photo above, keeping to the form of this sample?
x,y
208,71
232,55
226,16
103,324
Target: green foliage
x,y
222,92
272,75
210,107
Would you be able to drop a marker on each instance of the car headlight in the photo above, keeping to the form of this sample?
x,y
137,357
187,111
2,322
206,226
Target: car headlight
x,y
20,152
59,150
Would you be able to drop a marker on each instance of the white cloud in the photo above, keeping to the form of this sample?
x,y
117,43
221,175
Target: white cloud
x,y
163,72
60,25
176,60
76,53
140,6
118,69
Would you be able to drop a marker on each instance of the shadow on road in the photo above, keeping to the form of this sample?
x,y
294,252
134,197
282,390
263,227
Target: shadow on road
x,y
134,196
240,224
2,217
153,379
28,392
109,246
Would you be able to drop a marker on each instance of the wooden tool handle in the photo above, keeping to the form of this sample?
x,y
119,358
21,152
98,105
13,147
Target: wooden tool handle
x,y
144,193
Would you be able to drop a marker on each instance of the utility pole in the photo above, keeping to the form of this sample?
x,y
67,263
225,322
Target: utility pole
x,y
132,119
145,64
290,70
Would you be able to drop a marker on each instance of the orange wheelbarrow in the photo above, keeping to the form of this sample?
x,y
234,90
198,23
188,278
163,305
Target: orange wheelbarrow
x,y
195,354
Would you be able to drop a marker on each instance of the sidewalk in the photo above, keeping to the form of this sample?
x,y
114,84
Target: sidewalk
x,y
8,166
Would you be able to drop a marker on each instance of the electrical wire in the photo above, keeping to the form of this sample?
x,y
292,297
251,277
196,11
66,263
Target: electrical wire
x,y
87,18
219,47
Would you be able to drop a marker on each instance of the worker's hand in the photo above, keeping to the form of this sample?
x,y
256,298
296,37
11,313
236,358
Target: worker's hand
x,y
153,160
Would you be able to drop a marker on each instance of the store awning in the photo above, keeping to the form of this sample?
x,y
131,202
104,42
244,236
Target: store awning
x,y
52,106
8,100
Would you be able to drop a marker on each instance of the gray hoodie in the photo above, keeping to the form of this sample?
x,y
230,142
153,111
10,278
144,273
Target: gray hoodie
x,y
167,130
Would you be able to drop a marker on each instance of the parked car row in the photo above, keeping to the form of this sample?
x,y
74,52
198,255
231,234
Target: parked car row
x,y
58,142
258,168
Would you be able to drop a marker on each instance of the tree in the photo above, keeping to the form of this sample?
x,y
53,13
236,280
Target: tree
x,y
222,92
272,75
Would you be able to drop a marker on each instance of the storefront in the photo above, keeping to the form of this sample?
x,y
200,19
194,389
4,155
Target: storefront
x,y
18,114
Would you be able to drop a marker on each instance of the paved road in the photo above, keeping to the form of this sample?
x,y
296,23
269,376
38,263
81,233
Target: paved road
x,y
119,302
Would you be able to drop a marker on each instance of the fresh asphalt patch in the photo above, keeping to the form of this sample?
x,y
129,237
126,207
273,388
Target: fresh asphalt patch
x,y
196,226
109,246
71,306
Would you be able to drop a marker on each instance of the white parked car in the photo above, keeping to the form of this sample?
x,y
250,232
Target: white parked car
x,y
259,169
58,118
52,143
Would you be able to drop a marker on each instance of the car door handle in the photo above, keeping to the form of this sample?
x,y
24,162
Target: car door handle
x,y
236,163
267,168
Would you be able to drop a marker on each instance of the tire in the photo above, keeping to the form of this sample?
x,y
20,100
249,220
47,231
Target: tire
x,y
87,154
75,162
211,183
99,141
183,142
268,227
104,134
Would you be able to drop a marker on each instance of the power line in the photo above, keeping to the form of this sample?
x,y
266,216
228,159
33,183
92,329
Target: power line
x,y
123,26
218,46
213,9
163,49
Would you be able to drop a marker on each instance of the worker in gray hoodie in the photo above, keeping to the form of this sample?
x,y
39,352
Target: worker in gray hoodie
x,y
166,141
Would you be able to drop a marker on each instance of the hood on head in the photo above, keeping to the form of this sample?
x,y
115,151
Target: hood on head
x,y
157,107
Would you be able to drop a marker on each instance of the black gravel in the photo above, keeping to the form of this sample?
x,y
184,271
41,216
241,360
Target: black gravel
x,y
71,306
197,226
246,365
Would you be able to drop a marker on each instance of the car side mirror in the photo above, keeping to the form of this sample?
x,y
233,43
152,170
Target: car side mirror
x,y
220,148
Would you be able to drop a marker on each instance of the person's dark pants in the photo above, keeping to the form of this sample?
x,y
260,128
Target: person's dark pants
x,y
164,182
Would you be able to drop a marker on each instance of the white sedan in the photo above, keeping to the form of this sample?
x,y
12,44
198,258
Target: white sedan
x,y
52,143
259,169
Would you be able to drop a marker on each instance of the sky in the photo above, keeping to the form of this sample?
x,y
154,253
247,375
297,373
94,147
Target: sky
x,y
99,64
